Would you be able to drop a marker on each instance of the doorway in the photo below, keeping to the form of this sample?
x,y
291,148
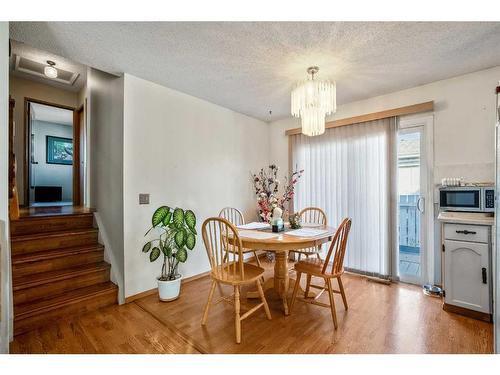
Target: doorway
x,y
414,200
52,155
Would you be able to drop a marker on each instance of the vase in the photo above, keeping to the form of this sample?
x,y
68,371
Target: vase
x,y
169,290
295,222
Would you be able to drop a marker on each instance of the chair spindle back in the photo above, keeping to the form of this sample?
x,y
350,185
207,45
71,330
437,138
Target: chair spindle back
x,y
233,215
221,239
338,248
313,215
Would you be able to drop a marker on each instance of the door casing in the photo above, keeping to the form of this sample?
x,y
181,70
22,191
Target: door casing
x,y
77,141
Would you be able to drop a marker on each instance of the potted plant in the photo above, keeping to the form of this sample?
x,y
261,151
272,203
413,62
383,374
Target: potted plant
x,y
176,235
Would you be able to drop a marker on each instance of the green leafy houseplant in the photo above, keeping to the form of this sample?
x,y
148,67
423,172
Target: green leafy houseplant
x,y
177,235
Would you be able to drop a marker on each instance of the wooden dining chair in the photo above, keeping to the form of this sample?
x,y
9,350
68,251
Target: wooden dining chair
x,y
235,217
311,215
221,238
331,268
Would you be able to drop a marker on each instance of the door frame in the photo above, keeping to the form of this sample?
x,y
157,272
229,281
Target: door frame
x,y
78,144
425,124
27,147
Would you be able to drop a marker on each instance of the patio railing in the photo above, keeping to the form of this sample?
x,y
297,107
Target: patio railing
x,y
409,224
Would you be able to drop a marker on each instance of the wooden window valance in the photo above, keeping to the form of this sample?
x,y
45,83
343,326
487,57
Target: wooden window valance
x,y
401,111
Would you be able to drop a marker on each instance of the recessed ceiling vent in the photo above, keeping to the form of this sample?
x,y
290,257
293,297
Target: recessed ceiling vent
x,y
35,68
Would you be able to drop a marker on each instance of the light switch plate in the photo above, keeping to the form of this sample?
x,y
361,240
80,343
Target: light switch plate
x,y
144,198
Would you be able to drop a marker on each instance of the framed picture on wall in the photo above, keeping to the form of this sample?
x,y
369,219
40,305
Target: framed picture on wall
x,y
59,150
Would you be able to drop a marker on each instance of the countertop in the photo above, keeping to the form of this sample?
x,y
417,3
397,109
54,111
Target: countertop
x,y
478,218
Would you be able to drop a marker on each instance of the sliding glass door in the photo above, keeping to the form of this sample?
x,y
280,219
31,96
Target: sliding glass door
x,y
410,205
414,205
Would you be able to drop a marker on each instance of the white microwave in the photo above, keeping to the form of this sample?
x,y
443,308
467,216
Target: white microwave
x,y
467,198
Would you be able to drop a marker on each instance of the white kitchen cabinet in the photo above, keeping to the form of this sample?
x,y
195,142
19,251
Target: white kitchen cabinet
x,y
466,263
467,275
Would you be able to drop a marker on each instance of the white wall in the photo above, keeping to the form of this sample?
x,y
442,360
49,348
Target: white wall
x,y
44,174
464,118
105,110
5,278
185,152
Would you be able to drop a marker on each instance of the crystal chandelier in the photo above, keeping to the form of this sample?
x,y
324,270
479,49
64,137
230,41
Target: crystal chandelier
x,y
312,101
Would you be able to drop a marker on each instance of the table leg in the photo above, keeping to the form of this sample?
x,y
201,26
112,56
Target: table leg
x,y
281,278
280,283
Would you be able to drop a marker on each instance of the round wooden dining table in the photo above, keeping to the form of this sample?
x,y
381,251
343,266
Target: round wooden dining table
x,y
281,244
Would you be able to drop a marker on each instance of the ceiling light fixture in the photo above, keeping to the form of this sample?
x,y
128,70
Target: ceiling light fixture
x,y
49,70
312,101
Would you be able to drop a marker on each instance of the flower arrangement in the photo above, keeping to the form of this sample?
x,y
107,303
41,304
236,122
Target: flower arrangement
x,y
267,184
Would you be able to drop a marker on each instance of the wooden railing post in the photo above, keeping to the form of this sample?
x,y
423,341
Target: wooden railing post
x,y
13,196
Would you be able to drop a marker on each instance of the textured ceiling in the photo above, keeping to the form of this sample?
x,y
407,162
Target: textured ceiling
x,y
52,114
40,56
250,67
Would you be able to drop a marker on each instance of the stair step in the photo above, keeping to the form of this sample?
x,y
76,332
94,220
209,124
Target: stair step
x,y
51,260
53,223
58,266
22,282
54,283
50,241
28,316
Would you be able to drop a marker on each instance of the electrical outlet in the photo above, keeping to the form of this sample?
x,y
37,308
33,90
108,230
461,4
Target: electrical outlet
x,y
143,198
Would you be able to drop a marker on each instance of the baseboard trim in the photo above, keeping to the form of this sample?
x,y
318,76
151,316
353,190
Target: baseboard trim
x,y
149,292
374,279
195,277
137,296
378,280
469,313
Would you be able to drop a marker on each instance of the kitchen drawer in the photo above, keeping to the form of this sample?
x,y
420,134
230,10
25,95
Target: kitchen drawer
x,y
466,232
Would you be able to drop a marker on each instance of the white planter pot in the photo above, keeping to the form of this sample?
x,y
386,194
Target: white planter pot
x,y
169,290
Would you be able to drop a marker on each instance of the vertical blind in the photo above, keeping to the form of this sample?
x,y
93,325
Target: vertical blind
x,y
347,173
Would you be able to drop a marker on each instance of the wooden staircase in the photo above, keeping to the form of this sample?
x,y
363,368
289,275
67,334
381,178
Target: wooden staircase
x,y
58,268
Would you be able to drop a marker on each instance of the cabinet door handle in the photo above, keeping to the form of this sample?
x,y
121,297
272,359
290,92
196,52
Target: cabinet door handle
x,y
485,281
466,231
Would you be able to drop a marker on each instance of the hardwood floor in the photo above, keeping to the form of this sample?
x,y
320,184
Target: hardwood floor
x,y
122,329
381,319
